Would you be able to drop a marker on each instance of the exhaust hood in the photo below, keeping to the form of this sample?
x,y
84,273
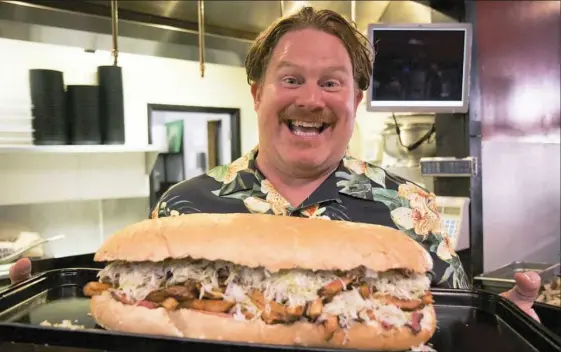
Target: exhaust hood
x,y
170,28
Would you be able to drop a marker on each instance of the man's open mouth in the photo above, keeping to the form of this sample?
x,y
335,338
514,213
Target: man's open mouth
x,y
303,128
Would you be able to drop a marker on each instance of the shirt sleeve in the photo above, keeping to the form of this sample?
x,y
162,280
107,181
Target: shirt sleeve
x,y
174,202
415,212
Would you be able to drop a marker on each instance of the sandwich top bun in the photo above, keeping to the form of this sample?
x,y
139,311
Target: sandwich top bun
x,y
272,242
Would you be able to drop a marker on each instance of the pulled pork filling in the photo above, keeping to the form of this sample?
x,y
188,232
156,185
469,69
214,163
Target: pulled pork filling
x,y
336,299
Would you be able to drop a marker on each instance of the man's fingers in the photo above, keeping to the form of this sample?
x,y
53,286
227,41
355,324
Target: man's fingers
x,y
528,285
20,271
532,313
525,292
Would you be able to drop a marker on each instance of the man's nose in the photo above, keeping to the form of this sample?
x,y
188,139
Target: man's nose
x,y
310,97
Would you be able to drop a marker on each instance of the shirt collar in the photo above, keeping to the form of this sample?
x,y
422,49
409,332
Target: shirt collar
x,y
247,175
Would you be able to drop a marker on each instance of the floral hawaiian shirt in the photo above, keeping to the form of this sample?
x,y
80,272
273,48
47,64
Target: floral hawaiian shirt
x,y
357,191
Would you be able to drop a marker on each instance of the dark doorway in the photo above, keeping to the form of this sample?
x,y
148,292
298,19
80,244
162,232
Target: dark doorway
x,y
196,139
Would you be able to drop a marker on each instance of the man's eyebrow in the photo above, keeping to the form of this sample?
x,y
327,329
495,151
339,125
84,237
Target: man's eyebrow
x,y
288,64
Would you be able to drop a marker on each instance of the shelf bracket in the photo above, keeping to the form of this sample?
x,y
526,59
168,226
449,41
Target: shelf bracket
x,y
150,160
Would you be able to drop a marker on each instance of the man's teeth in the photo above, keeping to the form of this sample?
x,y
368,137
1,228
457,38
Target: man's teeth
x,y
307,124
303,128
306,134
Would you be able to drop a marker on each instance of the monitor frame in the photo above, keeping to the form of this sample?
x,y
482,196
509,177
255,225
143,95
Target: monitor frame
x,y
416,106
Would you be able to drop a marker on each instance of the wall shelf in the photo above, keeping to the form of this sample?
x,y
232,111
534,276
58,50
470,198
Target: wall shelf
x,y
76,149
45,174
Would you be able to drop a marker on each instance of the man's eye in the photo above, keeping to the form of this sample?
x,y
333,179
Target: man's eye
x,y
290,80
331,84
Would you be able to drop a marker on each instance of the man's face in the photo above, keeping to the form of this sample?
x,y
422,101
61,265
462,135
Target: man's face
x,y
307,102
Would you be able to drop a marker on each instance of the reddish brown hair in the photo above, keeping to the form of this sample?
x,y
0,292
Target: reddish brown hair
x,y
359,48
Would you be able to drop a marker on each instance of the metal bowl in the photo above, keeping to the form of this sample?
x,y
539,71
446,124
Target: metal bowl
x,y
411,130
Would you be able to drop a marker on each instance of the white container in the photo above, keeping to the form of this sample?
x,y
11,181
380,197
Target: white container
x,y
17,134
15,141
16,123
20,110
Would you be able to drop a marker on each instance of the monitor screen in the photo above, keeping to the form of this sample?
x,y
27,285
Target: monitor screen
x,y
419,67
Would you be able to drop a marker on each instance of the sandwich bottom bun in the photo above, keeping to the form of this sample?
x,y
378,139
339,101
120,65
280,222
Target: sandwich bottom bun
x,y
113,315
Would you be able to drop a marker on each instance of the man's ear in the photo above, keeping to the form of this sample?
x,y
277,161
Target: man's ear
x,y
359,94
256,93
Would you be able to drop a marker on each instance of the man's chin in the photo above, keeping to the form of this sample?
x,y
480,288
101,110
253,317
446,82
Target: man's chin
x,y
306,160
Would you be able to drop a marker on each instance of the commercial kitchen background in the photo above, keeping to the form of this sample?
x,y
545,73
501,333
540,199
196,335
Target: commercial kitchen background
x,y
87,196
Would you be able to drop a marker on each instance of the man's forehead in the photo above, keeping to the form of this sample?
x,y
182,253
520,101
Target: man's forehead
x,y
296,49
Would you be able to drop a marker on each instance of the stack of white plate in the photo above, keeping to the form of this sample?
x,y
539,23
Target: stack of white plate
x,y
16,125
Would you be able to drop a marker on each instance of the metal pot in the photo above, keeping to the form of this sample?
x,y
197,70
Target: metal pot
x,y
412,129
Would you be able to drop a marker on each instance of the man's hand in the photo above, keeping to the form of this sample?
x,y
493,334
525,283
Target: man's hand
x,y
525,292
20,271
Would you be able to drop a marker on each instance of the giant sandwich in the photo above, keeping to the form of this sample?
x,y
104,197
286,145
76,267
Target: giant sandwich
x,y
266,279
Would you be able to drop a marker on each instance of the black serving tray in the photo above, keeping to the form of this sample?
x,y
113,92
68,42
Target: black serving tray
x,y
549,315
468,321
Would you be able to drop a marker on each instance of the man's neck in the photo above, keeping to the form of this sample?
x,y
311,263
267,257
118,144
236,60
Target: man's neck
x,y
294,189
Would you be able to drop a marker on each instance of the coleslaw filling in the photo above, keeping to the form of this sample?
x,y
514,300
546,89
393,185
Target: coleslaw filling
x,y
295,287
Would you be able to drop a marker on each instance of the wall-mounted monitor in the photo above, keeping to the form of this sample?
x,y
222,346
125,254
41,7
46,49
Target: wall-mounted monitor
x,y
420,67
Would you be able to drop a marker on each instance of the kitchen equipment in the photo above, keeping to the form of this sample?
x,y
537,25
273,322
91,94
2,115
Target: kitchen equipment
x,y
454,214
448,167
409,138
15,255
503,277
412,174
468,321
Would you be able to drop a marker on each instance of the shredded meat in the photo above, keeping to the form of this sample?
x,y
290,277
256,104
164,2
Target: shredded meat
x,y
333,288
314,309
121,297
179,292
95,288
213,306
170,304
212,300
147,304
216,294
273,312
415,324
407,304
365,291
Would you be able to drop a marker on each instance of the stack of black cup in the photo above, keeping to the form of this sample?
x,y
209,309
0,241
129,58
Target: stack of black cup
x,y
84,114
50,121
111,104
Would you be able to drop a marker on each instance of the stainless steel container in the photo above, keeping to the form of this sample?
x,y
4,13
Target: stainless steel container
x,y
412,129
503,278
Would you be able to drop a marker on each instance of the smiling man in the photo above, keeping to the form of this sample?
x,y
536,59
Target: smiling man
x,y
307,74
